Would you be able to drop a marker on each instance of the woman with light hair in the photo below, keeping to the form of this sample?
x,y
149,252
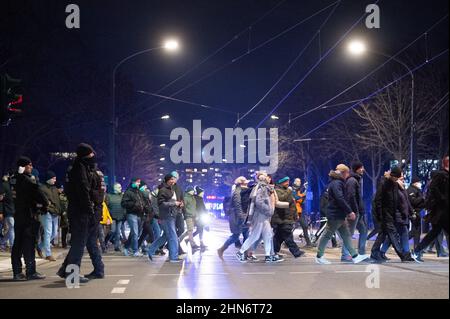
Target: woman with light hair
x,y
263,200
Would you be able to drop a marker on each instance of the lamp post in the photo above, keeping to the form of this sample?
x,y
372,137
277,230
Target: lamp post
x,y
357,47
169,45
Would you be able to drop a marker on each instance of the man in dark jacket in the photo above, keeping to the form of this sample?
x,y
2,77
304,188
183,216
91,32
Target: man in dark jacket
x,y
338,211
437,204
284,218
49,219
83,192
353,193
323,209
179,222
118,213
170,206
417,201
237,215
386,208
28,197
147,231
7,210
133,202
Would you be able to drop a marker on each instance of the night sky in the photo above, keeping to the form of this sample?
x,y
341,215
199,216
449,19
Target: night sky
x,y
67,72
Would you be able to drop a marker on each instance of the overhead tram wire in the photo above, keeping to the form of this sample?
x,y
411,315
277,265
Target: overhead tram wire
x,y
325,55
292,63
220,49
374,93
228,63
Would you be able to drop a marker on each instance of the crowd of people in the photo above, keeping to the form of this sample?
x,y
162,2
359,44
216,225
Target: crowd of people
x,y
263,210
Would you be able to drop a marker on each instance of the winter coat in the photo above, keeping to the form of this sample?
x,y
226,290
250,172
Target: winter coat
x,y
154,203
64,223
79,188
299,197
387,201
262,203
7,204
353,193
166,204
190,205
52,194
416,199
324,204
404,209
437,198
338,208
285,207
115,208
237,214
27,196
105,215
133,202
148,209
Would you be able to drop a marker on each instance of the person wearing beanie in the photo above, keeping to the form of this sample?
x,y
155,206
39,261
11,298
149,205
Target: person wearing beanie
x,y
147,231
28,197
353,194
387,204
437,205
338,211
190,216
170,205
49,219
85,196
133,202
417,200
284,218
201,210
237,216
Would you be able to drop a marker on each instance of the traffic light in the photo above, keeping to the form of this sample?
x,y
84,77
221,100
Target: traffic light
x,y
10,98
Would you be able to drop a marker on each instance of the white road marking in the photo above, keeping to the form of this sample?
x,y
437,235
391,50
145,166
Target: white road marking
x,y
123,282
258,273
165,274
350,271
305,272
118,290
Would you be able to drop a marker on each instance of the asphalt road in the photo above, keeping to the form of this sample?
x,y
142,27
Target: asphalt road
x,y
204,275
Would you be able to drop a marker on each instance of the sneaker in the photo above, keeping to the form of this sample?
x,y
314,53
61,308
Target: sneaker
x,y
252,258
19,277
126,252
443,255
322,261
50,258
138,254
383,255
277,258
195,247
413,256
93,275
178,260
300,254
377,257
160,252
360,258
40,254
35,276
346,259
240,257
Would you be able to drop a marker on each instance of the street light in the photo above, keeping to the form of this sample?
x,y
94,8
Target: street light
x,y
162,159
162,145
274,117
170,45
165,117
356,48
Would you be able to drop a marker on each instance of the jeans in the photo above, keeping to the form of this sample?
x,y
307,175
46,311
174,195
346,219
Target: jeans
x,y
415,230
49,224
134,221
404,239
389,230
169,235
24,246
156,229
433,234
333,226
235,237
9,236
116,229
360,224
283,233
84,231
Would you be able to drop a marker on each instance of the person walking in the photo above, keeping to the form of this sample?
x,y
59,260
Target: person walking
x,y
417,201
299,194
338,212
118,213
190,216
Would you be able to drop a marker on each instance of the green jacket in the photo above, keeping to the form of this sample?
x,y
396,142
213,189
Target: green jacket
x,y
52,195
190,206
285,210
115,208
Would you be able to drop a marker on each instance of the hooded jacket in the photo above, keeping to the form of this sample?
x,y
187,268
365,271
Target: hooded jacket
x,y
166,204
133,201
338,208
353,193
115,208
416,199
52,195
190,205
262,202
437,197
79,188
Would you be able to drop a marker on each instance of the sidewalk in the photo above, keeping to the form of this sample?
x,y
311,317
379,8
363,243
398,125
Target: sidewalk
x,y
5,259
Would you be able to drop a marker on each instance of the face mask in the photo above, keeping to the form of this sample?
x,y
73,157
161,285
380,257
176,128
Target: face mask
x,y
134,185
91,161
117,189
143,188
